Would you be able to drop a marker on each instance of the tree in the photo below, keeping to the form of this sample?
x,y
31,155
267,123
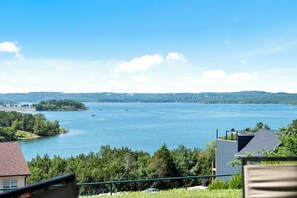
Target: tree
x,y
7,134
208,156
162,165
259,126
288,140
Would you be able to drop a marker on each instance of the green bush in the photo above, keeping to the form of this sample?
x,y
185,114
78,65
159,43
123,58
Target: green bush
x,y
235,182
217,185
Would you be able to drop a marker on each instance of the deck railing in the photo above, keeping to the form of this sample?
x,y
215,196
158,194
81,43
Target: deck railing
x,y
60,181
184,179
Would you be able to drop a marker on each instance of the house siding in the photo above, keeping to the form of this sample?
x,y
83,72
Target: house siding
x,y
225,150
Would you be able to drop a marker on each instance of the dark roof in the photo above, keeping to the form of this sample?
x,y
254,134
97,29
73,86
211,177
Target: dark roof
x,y
12,161
264,140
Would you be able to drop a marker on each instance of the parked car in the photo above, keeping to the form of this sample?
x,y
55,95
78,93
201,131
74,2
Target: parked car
x,y
151,190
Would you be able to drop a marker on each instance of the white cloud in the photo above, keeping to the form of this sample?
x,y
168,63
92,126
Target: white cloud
x,y
213,75
244,77
142,63
175,57
140,79
10,47
57,75
222,77
100,76
112,83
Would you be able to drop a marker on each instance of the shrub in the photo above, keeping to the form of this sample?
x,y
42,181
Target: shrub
x,y
218,184
235,182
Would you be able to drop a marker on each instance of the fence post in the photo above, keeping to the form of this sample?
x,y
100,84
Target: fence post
x,y
111,189
186,186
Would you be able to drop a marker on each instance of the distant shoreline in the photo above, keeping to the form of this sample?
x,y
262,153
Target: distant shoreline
x,y
17,109
30,138
243,97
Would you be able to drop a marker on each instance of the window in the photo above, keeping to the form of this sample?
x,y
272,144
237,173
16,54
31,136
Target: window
x,y
10,183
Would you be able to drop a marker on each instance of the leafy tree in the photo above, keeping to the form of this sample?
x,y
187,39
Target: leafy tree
x,y
288,141
7,134
259,126
162,165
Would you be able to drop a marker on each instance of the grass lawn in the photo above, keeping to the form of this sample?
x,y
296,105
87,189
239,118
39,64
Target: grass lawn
x,y
178,193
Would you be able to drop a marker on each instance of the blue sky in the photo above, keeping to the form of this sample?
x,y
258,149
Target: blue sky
x,y
148,46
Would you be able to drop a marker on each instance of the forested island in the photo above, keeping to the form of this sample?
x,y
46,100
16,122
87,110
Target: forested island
x,y
15,125
60,105
244,97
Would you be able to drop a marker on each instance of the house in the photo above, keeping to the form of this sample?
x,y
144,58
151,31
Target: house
x,y
244,142
13,167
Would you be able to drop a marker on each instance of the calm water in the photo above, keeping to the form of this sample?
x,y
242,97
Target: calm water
x,y
147,126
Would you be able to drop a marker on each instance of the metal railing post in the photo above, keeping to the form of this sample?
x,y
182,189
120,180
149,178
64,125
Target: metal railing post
x,y
111,189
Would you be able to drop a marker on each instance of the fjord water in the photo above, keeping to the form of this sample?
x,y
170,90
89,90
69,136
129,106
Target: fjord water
x,y
146,126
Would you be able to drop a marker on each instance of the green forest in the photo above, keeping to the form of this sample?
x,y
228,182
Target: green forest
x,y
15,125
124,164
60,105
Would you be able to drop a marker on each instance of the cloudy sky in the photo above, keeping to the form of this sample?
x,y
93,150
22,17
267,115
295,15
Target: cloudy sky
x,y
148,46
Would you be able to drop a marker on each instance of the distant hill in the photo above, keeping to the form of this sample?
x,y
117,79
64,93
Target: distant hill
x,y
244,97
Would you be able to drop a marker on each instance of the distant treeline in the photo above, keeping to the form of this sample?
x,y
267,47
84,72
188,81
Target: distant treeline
x,y
13,124
4,103
124,164
60,105
245,97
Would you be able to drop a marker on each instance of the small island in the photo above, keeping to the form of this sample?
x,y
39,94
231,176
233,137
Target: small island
x,y
15,125
60,105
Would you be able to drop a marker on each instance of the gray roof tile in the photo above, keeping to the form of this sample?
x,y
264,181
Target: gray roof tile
x,y
264,140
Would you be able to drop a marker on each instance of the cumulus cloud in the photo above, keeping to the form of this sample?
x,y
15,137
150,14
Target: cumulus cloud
x,y
175,57
99,76
213,74
10,47
222,77
140,79
142,63
112,83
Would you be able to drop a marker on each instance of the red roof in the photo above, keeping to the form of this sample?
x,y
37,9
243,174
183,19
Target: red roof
x,y
12,161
